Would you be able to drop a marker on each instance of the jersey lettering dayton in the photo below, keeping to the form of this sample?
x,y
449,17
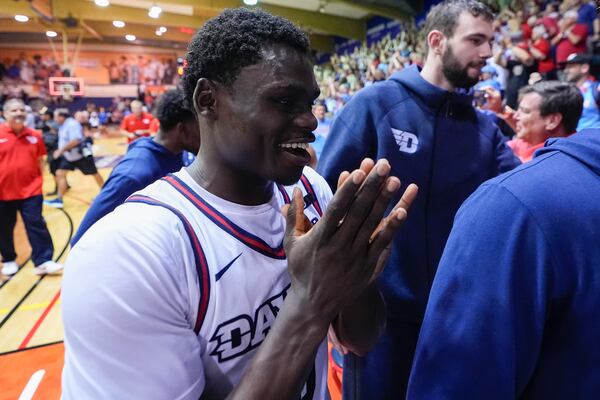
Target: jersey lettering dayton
x,y
243,333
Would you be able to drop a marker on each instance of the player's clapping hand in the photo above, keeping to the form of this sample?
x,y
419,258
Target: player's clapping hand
x,y
335,261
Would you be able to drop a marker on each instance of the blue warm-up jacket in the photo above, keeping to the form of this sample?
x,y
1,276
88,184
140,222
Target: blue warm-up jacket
x,y
145,162
433,138
514,308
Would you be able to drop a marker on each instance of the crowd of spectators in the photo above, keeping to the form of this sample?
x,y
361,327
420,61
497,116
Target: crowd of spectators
x,y
532,42
140,70
136,70
30,71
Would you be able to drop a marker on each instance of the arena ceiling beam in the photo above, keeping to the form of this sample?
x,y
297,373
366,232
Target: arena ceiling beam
x,y
403,13
10,25
11,8
309,20
315,23
90,12
141,31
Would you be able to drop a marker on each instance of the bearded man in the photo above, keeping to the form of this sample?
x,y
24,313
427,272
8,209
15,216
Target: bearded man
x,y
424,123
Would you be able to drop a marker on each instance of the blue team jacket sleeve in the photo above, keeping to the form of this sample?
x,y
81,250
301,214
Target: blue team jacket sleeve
x,y
505,157
114,192
350,140
483,325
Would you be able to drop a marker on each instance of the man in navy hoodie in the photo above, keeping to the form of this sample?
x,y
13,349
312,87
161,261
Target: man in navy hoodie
x,y
148,159
424,123
513,311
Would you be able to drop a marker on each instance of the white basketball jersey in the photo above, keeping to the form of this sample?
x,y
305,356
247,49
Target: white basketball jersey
x,y
242,271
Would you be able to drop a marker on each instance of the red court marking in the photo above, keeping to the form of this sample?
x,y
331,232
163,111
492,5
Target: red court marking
x,y
39,322
18,366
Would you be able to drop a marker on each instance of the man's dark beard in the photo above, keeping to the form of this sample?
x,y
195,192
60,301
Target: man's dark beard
x,y
573,78
454,72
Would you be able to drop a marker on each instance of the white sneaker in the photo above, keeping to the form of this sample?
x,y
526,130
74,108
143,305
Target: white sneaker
x,y
10,268
49,267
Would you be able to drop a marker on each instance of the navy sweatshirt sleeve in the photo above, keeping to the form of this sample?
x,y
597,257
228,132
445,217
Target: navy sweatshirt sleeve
x,y
505,157
350,140
483,326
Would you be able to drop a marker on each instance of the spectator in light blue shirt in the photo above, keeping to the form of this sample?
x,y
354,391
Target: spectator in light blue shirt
x,y
322,131
71,154
577,71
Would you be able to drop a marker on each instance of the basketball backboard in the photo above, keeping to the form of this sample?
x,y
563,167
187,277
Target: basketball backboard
x,y
60,86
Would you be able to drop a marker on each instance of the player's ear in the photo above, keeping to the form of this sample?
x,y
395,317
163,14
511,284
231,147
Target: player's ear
x,y
435,41
205,98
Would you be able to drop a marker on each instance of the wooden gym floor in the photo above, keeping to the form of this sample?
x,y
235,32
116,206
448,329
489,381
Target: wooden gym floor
x,y
31,332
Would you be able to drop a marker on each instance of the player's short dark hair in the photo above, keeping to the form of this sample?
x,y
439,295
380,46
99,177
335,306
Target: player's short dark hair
x,y
234,40
558,97
444,16
171,109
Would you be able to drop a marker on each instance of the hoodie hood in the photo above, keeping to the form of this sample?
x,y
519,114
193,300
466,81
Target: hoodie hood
x,y
435,97
583,146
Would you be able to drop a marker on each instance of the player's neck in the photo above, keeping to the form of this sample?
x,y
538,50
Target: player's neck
x,y
166,142
230,185
17,128
432,73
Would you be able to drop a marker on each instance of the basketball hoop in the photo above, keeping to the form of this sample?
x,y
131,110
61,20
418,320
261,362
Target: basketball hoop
x,y
67,91
67,88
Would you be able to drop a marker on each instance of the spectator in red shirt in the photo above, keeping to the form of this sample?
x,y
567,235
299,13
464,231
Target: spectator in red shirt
x,y
571,38
540,50
136,124
21,152
546,109
154,126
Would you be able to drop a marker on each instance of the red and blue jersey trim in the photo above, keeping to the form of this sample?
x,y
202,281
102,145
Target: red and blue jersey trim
x,y
309,189
311,192
284,194
199,257
250,240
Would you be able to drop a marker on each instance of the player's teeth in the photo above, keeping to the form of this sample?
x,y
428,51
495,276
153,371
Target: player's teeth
x,y
294,146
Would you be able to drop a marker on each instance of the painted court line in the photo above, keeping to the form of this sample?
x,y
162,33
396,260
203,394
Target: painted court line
x,y
32,385
39,321
26,307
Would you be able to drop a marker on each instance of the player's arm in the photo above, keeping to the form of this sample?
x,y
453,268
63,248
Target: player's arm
x,y
505,157
358,326
328,264
148,332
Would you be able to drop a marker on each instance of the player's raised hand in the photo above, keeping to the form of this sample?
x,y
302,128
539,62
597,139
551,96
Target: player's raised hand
x,y
409,195
334,261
